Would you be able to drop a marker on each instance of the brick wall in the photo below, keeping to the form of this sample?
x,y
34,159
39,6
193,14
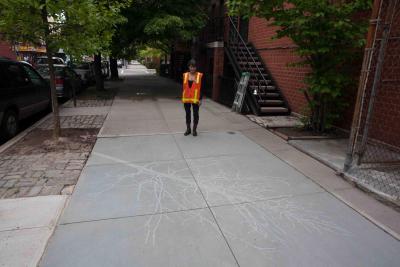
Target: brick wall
x,y
277,54
218,71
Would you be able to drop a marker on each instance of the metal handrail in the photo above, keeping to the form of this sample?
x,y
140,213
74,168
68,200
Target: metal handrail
x,y
249,55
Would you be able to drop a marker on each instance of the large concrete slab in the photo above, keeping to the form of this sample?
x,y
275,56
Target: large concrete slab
x,y
312,230
128,127
134,149
381,214
215,107
238,179
266,139
315,170
23,248
137,110
178,239
111,191
216,144
26,224
276,121
331,152
31,212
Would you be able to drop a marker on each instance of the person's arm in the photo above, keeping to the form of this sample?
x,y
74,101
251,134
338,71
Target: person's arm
x,y
201,92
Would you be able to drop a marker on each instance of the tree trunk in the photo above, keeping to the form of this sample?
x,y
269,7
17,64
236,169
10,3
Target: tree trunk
x,y
98,72
73,87
54,100
114,68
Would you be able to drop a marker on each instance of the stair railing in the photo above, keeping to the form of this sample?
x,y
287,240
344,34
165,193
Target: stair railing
x,y
234,41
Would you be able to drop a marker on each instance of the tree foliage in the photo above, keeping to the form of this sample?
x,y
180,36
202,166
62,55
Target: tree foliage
x,y
77,26
329,36
158,24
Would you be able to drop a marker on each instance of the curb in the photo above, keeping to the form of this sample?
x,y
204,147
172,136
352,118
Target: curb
x,y
382,226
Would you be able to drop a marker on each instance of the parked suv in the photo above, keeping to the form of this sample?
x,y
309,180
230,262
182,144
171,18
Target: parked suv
x,y
23,93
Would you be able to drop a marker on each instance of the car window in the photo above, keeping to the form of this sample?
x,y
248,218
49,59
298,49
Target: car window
x,y
40,61
44,71
35,78
19,77
57,61
45,61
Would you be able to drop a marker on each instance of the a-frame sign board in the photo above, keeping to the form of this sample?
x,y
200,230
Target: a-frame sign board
x,y
241,92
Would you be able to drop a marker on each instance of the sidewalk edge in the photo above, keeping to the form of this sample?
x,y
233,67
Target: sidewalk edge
x,y
360,186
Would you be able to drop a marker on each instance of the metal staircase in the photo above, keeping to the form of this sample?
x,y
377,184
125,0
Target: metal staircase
x,y
263,95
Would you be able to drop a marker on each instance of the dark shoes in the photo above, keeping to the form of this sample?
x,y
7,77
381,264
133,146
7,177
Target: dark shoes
x,y
195,130
189,131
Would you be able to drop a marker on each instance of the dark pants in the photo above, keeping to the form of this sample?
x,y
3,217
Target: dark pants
x,y
189,115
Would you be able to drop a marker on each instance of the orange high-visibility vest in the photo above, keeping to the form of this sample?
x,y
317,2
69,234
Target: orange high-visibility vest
x,y
191,94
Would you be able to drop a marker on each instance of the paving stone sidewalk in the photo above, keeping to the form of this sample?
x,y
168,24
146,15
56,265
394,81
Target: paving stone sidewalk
x,y
89,103
45,168
76,122
37,166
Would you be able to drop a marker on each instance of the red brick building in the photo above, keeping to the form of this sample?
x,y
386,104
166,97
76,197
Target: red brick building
x,y
217,58
6,50
212,52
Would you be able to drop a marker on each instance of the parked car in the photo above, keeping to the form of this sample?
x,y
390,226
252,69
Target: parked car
x,y
43,61
23,93
66,80
120,63
85,71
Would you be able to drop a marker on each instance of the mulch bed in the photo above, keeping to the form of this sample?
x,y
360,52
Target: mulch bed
x,y
42,141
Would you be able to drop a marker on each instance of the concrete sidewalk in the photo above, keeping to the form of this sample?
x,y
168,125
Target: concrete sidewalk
x,y
235,195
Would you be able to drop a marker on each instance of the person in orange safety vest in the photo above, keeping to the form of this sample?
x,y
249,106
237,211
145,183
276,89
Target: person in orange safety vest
x,y
191,96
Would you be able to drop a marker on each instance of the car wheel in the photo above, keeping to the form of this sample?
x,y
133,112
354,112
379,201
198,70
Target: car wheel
x,y
9,124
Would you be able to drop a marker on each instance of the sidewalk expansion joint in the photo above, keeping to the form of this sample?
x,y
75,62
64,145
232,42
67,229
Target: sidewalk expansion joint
x,y
134,216
208,206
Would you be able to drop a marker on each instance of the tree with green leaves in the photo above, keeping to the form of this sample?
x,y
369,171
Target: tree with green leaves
x,y
158,24
109,17
78,26
329,36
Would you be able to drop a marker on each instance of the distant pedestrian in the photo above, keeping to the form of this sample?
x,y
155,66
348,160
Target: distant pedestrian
x,y
191,96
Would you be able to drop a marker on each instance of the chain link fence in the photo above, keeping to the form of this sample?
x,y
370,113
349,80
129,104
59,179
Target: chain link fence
x,y
374,152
